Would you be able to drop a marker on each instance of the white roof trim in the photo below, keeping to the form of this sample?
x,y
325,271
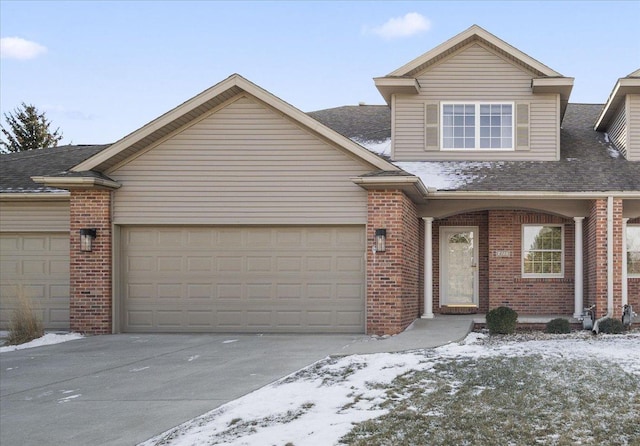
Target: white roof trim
x,y
234,80
76,182
482,34
624,86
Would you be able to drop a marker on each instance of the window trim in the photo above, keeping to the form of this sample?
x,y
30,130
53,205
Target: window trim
x,y
631,275
477,105
559,275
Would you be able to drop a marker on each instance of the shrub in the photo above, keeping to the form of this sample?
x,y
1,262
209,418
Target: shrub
x,y
610,326
502,320
558,326
24,325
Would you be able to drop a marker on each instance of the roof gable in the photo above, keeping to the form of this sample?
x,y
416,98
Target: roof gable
x,y
184,114
474,34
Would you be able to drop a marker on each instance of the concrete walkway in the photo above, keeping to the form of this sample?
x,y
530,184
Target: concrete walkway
x,y
124,389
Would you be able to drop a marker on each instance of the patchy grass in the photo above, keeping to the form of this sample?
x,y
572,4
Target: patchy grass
x,y
514,390
521,400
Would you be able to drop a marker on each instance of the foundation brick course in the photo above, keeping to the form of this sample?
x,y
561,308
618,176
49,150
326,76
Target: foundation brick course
x,y
90,273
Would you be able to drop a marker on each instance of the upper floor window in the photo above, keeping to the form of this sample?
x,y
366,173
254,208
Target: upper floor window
x,y
487,126
633,250
542,251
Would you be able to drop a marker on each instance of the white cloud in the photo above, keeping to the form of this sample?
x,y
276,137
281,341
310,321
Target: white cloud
x,y
408,25
19,48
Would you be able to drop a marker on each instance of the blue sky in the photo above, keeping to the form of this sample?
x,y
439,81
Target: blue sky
x,y
101,70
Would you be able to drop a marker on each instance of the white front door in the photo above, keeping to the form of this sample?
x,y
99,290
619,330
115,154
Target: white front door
x,y
458,266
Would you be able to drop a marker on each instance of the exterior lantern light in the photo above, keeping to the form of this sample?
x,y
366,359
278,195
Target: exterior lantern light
x,y
381,240
87,235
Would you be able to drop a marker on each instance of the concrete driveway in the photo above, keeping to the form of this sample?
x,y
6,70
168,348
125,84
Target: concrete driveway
x,y
124,389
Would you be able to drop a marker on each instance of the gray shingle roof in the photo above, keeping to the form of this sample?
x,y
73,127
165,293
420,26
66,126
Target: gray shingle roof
x,y
16,169
589,163
362,123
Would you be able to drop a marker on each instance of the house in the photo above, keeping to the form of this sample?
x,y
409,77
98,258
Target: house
x,y
477,185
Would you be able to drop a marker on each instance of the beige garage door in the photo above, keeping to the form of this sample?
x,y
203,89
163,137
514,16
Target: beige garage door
x,y
252,279
35,265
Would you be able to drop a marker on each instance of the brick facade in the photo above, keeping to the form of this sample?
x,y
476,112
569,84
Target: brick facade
x,y
393,276
507,287
596,257
633,283
90,272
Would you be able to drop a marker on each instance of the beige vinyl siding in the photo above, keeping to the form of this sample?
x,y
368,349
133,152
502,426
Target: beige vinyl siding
x,y
617,130
475,73
242,164
34,216
633,127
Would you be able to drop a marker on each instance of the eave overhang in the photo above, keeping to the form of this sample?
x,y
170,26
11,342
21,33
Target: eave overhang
x,y
624,86
70,183
554,85
410,185
58,195
388,86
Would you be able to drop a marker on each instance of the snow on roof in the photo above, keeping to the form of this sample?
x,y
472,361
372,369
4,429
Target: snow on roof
x,y
446,175
382,147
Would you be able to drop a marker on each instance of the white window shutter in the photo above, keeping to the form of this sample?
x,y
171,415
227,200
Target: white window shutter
x,y
432,126
522,126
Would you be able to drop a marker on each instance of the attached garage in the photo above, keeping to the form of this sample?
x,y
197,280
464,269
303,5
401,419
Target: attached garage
x,y
35,266
243,279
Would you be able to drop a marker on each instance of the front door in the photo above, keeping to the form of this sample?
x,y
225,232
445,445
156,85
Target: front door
x,y
458,266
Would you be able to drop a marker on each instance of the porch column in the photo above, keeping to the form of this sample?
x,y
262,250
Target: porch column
x,y
625,284
428,268
579,271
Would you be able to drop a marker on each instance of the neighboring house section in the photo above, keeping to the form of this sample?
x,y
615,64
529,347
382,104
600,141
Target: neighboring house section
x,y
620,117
477,186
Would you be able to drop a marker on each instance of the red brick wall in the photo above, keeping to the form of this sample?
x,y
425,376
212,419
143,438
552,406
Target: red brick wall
x,y
479,219
507,287
596,257
90,272
633,284
393,277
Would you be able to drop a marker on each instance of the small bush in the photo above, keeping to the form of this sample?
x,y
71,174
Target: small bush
x,y
24,325
502,320
558,326
610,326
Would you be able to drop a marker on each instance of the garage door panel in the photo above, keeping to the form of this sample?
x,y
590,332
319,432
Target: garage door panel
x,y
296,279
35,265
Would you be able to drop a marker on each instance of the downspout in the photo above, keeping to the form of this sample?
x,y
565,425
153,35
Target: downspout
x,y
609,265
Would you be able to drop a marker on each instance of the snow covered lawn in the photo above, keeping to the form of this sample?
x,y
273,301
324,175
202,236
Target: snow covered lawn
x,y
514,390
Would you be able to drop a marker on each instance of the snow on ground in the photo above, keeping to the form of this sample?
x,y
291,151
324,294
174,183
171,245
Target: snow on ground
x,y
320,403
47,339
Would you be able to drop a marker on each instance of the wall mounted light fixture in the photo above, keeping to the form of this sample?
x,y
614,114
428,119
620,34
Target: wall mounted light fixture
x,y
381,240
87,235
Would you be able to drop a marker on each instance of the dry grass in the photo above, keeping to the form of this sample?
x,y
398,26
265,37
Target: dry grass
x,y
517,401
25,326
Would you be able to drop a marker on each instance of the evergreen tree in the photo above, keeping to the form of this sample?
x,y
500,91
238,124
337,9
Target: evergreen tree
x,y
28,129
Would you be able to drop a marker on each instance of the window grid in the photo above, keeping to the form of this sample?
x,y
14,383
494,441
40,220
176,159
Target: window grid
x,y
487,126
542,253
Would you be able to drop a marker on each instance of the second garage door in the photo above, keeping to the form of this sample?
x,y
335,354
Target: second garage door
x,y
248,279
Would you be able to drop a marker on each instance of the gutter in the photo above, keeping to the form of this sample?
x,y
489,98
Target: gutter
x,y
530,194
